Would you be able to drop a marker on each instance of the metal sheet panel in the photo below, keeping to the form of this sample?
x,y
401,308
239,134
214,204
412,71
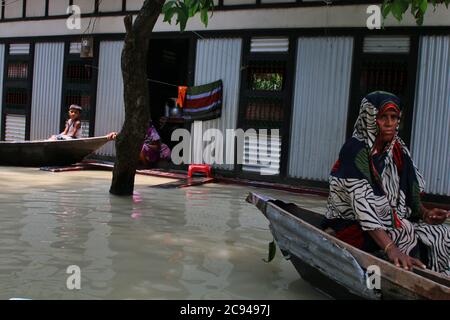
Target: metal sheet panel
x,y
262,153
110,112
264,44
15,127
321,97
386,44
430,145
2,61
47,86
75,47
219,59
19,48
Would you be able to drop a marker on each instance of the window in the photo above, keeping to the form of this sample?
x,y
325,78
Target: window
x,y
264,94
17,91
265,98
17,70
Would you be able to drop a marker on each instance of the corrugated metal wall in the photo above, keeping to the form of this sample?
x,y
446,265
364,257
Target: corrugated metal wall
x,y
321,98
430,145
219,59
47,86
15,127
2,61
110,112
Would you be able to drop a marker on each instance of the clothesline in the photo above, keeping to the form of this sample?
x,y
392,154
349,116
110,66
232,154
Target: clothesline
x,y
161,82
151,80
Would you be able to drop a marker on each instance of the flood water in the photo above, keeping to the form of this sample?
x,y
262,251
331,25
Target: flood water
x,y
200,242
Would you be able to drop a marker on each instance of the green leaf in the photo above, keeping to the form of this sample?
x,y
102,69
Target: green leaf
x,y
168,5
204,16
272,251
385,9
398,8
194,8
168,15
423,6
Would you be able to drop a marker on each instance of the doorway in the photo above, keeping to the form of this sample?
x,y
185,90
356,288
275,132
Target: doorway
x,y
168,68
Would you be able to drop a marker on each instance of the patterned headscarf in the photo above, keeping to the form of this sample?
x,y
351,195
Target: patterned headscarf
x,y
366,129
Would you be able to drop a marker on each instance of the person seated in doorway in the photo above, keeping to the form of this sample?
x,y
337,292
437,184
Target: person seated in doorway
x,y
375,188
72,129
153,149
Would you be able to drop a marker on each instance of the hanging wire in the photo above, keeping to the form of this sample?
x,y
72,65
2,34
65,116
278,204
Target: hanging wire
x,y
162,82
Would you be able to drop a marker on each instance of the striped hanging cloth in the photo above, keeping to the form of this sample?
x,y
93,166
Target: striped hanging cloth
x,y
203,102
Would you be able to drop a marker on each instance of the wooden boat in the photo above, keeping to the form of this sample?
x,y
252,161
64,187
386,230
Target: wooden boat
x,y
337,268
48,152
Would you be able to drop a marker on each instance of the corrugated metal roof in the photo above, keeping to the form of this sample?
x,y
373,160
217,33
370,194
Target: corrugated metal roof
x,y
430,145
321,97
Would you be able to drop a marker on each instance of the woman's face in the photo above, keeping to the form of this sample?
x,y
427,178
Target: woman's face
x,y
387,124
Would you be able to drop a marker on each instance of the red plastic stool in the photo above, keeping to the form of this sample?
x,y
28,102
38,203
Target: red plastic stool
x,y
205,168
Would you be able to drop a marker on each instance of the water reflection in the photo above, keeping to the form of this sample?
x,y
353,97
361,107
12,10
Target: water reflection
x,y
201,242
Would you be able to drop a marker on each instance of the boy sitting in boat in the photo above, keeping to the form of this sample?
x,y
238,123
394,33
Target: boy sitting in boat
x,y
73,125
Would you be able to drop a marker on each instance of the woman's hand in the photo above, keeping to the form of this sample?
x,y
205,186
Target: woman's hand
x,y
402,260
434,216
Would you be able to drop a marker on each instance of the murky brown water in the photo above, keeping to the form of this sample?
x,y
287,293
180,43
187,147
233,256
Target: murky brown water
x,y
201,242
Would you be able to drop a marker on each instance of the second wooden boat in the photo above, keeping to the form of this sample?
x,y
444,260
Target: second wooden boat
x,y
337,268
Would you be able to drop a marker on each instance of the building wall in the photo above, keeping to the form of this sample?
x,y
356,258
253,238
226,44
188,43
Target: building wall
x,y
110,6
134,4
267,18
430,145
47,90
218,59
14,9
110,112
2,61
86,6
57,7
321,97
35,8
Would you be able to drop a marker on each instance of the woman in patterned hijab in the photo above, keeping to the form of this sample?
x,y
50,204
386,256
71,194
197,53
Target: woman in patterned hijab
x,y
375,190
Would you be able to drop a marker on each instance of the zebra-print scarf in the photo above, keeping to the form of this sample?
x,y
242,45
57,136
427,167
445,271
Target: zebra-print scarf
x,y
388,191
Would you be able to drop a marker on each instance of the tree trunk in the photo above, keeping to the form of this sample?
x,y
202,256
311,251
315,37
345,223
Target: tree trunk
x,y
136,96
